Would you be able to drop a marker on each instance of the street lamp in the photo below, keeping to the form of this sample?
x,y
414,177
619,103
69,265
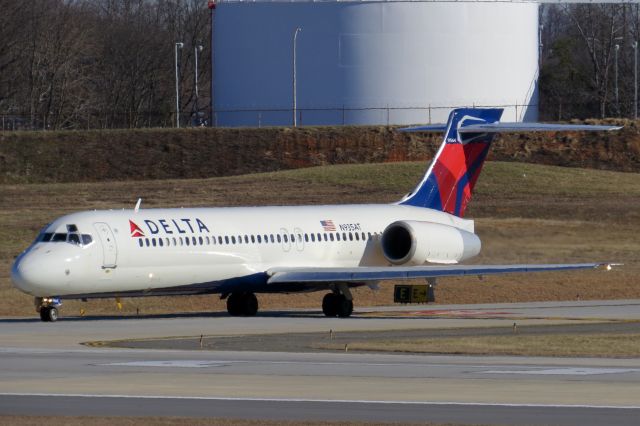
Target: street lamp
x,y
540,29
635,79
196,49
616,49
295,95
179,45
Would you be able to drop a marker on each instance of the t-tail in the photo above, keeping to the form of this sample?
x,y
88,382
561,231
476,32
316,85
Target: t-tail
x,y
452,175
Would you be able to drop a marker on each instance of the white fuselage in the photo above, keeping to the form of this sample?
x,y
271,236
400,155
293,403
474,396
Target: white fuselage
x,y
168,248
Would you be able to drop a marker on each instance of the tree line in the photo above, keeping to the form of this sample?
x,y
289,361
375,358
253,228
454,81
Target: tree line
x,y
74,64
101,63
587,62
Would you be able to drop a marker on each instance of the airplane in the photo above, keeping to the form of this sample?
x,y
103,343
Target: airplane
x,y
240,251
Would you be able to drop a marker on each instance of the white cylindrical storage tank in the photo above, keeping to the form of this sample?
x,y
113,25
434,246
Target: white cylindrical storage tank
x,y
372,62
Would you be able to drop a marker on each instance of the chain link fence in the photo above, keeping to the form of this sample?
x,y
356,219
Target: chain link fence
x,y
264,117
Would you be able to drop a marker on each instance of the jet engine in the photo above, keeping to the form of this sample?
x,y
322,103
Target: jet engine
x,y
414,243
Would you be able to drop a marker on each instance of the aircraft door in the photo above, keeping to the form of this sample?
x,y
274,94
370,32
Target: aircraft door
x,y
109,247
286,239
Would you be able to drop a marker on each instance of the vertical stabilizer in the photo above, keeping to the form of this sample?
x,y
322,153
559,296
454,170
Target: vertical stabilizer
x,y
452,175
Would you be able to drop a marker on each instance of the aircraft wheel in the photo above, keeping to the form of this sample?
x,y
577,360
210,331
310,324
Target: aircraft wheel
x,y
234,304
48,314
344,306
242,304
249,305
329,305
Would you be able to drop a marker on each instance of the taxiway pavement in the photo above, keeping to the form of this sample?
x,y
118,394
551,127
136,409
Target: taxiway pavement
x,y
44,370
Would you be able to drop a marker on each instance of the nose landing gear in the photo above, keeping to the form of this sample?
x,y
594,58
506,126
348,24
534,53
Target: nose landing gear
x,y
48,308
49,314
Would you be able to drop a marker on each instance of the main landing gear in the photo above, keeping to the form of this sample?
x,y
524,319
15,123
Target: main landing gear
x,y
339,303
48,308
242,304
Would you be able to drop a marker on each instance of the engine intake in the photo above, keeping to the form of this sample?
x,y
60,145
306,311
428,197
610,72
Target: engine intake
x,y
414,243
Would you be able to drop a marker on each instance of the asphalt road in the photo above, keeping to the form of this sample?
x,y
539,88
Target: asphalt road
x,y
44,370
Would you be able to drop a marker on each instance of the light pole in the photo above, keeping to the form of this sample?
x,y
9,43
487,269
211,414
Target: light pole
x,y
179,45
295,95
196,49
635,79
616,49
540,29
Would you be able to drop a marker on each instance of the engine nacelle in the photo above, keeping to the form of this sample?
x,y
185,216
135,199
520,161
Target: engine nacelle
x,y
414,243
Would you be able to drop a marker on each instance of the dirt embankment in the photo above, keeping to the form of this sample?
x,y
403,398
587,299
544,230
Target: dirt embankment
x,y
197,153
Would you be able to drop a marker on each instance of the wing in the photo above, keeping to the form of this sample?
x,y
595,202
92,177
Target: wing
x,y
367,273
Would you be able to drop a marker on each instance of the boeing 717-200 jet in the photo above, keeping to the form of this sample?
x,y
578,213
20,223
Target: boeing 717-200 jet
x,y
238,252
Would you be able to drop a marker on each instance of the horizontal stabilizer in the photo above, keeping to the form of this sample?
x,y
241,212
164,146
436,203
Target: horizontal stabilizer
x,y
514,128
371,273
434,128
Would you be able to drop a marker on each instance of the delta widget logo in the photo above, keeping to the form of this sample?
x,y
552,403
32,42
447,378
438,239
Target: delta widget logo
x,y
136,232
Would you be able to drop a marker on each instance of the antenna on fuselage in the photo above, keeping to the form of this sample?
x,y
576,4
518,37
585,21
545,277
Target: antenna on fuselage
x,y
137,207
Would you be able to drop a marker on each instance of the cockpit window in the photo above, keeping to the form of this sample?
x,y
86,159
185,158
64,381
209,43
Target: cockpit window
x,y
72,228
59,238
62,237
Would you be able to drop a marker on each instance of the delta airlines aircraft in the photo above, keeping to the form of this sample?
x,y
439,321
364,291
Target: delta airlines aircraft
x,y
238,252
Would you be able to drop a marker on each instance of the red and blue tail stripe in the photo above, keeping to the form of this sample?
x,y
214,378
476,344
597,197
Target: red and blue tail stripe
x,y
449,181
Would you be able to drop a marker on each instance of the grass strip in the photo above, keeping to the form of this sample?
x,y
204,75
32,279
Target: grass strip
x,y
601,345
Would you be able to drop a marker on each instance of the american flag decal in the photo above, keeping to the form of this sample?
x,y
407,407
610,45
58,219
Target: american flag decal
x,y
328,225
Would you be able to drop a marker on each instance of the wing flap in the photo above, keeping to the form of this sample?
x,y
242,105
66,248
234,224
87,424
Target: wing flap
x,y
363,273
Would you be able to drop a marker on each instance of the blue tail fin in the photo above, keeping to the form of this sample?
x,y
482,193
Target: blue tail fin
x,y
452,175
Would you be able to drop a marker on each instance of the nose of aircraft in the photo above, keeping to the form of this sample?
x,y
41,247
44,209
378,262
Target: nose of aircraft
x,y
34,272
26,274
